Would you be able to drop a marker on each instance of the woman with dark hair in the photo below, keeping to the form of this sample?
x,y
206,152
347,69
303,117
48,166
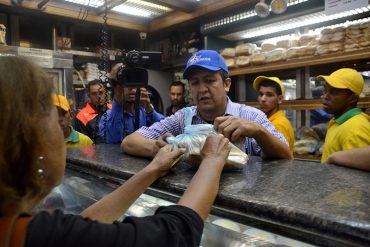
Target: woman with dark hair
x,y
32,162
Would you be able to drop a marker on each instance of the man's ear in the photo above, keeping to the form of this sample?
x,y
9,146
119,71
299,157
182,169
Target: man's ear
x,y
227,84
280,99
353,99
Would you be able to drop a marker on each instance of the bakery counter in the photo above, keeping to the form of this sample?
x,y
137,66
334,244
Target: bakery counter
x,y
319,204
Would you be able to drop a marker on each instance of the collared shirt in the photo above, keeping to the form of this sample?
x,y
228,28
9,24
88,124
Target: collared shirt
x,y
169,109
351,130
175,124
116,123
77,139
283,125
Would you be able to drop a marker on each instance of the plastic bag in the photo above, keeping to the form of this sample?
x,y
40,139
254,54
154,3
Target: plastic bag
x,y
193,139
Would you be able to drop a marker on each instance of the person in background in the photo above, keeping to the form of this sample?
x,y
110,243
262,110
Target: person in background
x,y
87,120
72,137
350,127
319,116
32,163
119,121
358,158
177,97
209,83
270,95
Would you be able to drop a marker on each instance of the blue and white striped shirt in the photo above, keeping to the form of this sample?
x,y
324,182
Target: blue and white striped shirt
x,y
175,125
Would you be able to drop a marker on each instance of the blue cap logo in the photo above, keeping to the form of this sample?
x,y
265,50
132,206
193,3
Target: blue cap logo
x,y
206,59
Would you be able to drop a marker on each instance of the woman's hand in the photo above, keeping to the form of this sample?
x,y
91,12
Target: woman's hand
x,y
216,148
164,159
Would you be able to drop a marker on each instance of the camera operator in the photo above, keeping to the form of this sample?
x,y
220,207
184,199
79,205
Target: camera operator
x,y
120,120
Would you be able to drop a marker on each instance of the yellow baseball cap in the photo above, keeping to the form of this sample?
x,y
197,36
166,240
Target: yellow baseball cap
x,y
61,101
345,78
260,79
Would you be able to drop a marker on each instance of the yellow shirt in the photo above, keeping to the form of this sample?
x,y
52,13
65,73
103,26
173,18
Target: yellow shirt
x,y
351,130
77,139
283,125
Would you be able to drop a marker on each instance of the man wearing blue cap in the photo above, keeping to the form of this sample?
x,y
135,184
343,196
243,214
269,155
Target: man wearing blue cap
x,y
209,83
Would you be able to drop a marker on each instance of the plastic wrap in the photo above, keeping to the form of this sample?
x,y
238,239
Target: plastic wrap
x,y
193,139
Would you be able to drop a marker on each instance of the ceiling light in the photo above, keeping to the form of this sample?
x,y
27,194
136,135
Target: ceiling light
x,y
142,9
131,11
297,22
262,9
244,15
91,3
278,6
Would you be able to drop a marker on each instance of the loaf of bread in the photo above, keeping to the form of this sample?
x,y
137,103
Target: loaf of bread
x,y
267,46
350,44
259,58
292,53
245,49
325,38
278,54
305,51
336,46
227,52
323,49
230,62
338,36
242,61
306,39
285,43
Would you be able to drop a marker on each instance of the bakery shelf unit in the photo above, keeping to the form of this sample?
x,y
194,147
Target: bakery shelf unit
x,y
306,68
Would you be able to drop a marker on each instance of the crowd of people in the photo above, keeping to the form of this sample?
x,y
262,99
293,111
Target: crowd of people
x,y
264,131
38,125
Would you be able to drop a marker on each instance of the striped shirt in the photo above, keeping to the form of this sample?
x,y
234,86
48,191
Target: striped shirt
x,y
175,124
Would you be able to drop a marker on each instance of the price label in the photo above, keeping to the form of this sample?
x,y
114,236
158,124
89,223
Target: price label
x,y
337,6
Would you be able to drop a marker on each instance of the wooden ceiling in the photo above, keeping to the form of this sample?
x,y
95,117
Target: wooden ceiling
x,y
183,11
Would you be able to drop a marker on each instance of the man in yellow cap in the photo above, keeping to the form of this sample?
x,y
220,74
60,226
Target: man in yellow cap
x,y
350,127
270,96
72,137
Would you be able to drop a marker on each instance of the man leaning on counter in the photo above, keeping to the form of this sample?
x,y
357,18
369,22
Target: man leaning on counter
x,y
209,83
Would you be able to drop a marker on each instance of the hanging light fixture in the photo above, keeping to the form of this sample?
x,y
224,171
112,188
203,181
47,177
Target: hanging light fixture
x,y
262,9
278,6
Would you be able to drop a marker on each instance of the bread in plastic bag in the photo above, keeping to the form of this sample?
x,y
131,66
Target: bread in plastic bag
x,y
193,139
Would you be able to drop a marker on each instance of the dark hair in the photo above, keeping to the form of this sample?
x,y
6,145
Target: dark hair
x,y
178,83
25,105
224,75
269,83
92,83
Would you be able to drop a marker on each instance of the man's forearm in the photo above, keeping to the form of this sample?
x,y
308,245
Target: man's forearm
x,y
136,144
272,147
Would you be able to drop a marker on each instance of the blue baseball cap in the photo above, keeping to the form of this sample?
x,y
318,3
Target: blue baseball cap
x,y
207,59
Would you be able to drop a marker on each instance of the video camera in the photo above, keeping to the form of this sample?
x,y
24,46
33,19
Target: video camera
x,y
133,74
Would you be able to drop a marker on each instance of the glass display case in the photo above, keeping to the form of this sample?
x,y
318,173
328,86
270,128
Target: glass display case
x,y
79,190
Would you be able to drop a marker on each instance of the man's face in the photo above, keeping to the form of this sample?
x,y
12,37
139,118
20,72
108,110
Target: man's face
x,y
268,99
65,118
208,90
177,95
129,94
337,101
97,95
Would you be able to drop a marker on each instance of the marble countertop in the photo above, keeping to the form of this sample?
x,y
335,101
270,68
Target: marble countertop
x,y
321,204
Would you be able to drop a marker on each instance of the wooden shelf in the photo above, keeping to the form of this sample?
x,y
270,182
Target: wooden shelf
x,y
308,104
303,62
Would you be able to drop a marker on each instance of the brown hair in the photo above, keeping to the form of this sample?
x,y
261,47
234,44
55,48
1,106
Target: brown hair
x,y
25,104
